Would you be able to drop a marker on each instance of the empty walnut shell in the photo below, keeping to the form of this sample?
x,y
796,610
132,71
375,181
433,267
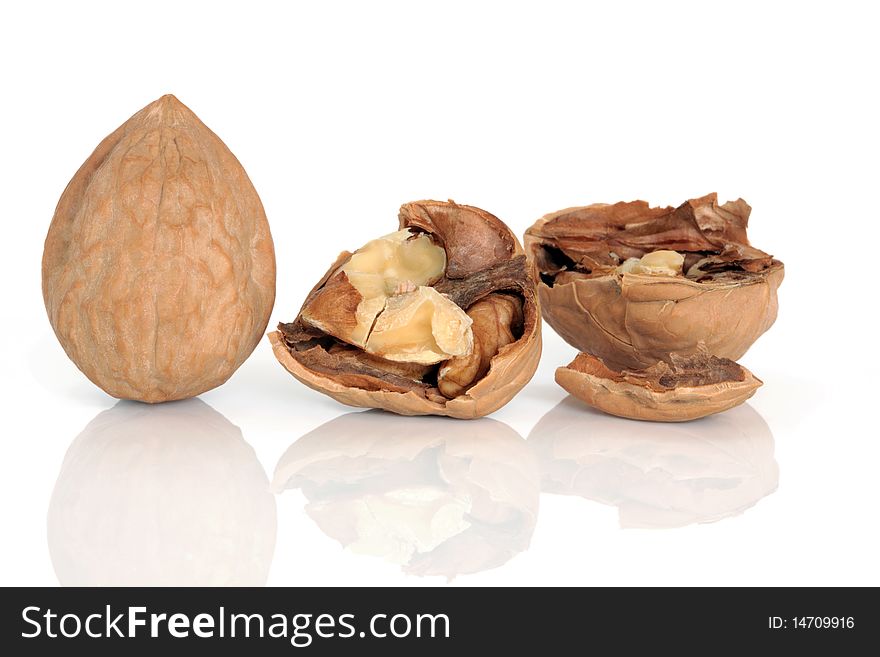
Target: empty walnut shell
x,y
159,268
690,387
483,259
724,301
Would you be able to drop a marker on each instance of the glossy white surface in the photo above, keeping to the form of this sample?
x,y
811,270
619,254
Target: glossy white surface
x,y
341,115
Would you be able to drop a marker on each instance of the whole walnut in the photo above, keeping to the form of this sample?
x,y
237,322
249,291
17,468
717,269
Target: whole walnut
x,y
159,267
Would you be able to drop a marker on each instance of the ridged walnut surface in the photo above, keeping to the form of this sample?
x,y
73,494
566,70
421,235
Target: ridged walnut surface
x,y
159,268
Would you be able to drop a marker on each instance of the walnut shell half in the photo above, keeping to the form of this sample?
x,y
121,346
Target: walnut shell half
x,y
325,347
724,299
158,267
690,387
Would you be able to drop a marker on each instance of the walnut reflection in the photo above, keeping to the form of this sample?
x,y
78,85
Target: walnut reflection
x,y
658,475
438,497
165,495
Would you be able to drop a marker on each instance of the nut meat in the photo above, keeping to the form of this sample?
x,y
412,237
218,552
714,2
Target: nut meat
x,y
159,268
438,318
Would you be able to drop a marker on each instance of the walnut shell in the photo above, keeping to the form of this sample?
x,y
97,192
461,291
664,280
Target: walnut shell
x,y
483,257
692,387
159,268
644,292
635,320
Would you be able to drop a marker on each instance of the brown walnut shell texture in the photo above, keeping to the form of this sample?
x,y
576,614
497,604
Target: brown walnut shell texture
x,y
483,257
633,321
690,388
159,267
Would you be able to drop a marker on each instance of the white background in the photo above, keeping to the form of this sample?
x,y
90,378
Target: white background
x,y
341,111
